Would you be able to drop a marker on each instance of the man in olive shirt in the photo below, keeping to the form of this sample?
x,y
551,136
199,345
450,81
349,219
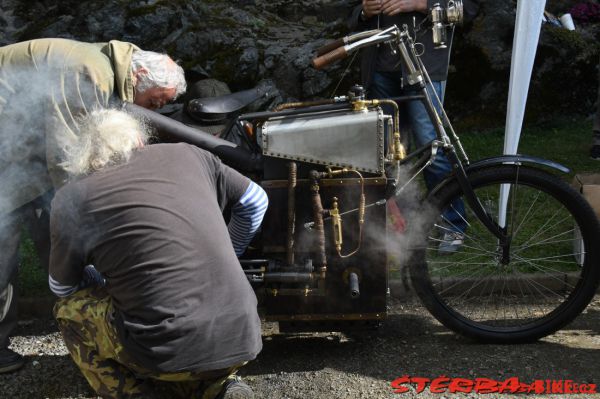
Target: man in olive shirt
x,y
176,305
45,85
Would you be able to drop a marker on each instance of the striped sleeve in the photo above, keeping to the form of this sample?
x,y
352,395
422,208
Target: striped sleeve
x,y
61,290
246,217
90,277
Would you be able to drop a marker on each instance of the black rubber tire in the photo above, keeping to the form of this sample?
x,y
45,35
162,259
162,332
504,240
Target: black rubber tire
x,y
568,203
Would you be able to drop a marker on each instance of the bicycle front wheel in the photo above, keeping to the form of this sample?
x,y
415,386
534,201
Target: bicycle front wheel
x,y
549,277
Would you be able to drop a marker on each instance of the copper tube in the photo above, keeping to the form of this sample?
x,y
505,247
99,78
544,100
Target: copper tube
x,y
318,220
399,151
361,211
281,107
292,179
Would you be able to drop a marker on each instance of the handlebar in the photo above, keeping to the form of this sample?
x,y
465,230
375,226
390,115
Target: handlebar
x,y
330,57
441,17
345,40
331,46
352,43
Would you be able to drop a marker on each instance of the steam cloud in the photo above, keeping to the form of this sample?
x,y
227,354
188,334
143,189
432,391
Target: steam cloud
x,y
416,214
35,101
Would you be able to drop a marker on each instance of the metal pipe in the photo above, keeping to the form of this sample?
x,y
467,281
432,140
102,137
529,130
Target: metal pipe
x,y
230,153
295,111
399,150
291,211
345,40
383,36
354,285
335,214
303,104
319,226
254,261
287,277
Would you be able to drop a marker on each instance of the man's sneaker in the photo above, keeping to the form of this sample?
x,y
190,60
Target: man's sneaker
x,y
10,360
595,152
451,242
234,388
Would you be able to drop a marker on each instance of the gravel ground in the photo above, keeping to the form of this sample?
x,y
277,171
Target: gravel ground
x,y
341,366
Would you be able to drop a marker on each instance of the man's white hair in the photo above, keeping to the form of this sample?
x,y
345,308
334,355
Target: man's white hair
x,y
106,137
160,71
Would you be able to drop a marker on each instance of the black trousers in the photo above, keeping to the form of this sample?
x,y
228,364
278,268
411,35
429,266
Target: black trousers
x,y
596,126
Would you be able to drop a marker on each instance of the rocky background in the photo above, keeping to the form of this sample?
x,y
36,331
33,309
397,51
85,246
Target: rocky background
x,y
243,42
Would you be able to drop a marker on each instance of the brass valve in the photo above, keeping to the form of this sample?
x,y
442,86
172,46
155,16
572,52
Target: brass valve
x,y
332,173
361,105
337,225
399,150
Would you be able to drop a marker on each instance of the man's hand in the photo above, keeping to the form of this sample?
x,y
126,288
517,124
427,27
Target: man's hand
x,y
371,7
393,7
91,277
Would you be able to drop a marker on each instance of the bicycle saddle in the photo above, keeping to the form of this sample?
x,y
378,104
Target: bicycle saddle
x,y
218,108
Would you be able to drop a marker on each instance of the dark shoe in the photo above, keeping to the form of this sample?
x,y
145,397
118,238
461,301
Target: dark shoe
x,y
595,152
10,361
234,388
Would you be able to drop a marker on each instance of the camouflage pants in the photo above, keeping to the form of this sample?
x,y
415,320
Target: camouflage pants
x,y
84,319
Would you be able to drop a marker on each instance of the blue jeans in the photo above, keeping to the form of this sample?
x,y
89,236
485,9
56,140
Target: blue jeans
x,y
389,84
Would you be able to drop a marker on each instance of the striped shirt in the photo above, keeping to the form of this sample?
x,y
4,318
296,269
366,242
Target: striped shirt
x,y
246,217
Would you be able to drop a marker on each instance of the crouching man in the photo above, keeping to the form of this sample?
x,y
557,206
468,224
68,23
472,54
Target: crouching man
x,y
166,298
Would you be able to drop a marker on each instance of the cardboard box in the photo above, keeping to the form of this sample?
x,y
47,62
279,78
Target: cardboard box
x,y
588,184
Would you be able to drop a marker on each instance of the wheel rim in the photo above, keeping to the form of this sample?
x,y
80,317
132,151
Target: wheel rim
x,y
545,269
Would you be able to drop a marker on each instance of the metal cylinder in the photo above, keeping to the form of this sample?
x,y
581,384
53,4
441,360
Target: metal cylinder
x,y
354,286
439,35
438,29
318,220
454,12
288,277
292,180
231,154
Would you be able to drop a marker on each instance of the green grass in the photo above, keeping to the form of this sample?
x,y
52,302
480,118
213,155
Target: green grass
x,y
33,280
565,141
541,230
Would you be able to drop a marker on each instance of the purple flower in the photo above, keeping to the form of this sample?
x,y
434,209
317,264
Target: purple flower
x,y
586,12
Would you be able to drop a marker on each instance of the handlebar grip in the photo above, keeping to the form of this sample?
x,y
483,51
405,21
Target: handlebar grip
x,y
330,46
330,57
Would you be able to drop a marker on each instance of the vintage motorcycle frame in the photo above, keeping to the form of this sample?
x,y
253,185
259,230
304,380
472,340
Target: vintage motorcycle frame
x,y
325,268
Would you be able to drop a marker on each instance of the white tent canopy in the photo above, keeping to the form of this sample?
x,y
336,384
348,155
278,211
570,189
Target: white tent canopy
x,y
527,33
526,37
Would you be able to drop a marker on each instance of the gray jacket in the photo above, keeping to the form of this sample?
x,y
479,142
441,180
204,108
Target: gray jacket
x,y
45,84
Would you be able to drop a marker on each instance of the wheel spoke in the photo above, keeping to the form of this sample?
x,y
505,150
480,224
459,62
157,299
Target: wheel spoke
x,y
549,240
544,228
490,295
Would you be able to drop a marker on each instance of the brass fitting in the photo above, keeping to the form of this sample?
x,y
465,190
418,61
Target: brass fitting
x,y
361,105
399,150
337,224
331,173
